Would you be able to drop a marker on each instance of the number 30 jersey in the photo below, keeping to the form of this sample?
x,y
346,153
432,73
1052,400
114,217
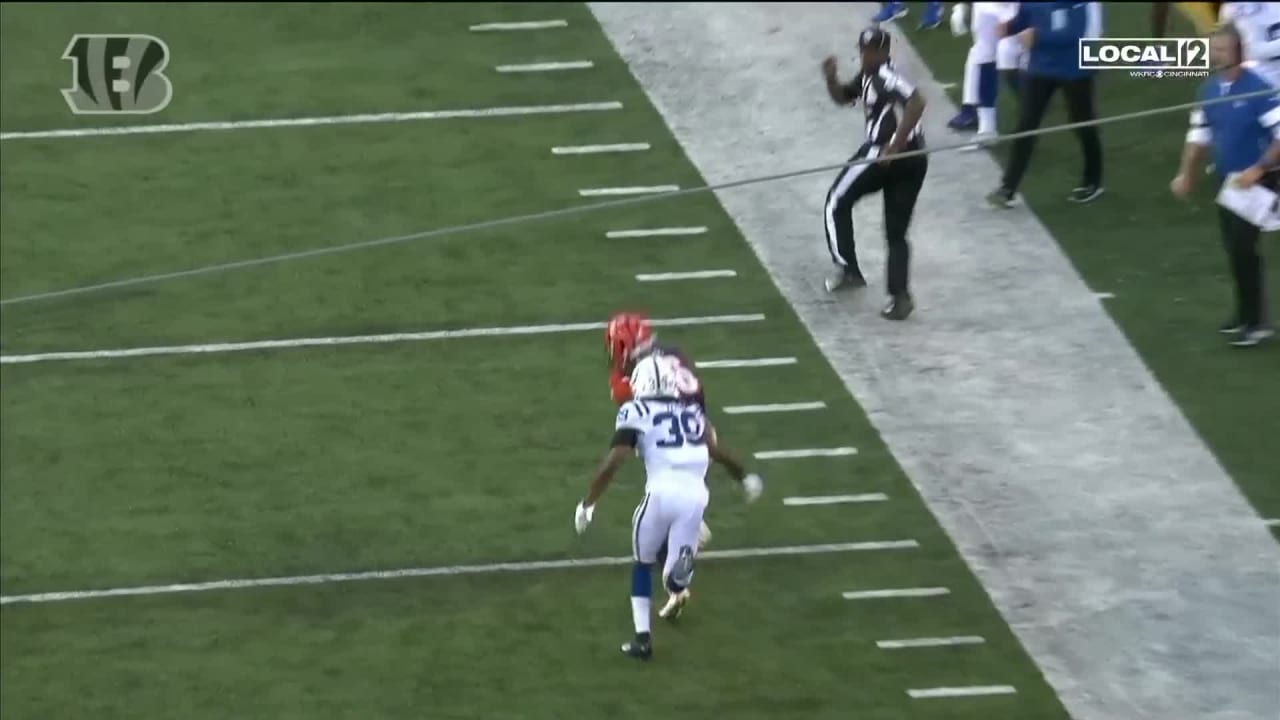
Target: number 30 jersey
x,y
670,436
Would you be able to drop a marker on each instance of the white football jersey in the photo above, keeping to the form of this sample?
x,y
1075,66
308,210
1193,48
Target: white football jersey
x,y
672,442
1259,26
1002,11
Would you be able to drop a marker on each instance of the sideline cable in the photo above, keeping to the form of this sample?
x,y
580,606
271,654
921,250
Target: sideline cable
x,y
562,212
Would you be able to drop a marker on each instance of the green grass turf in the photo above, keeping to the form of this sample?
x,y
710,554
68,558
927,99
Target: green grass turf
x,y
389,456
522,645
1162,258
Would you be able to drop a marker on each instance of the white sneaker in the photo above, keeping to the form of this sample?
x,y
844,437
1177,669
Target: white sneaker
x,y
675,605
980,141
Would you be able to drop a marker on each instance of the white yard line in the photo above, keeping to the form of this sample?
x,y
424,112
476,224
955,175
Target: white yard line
x,y
774,408
359,339
808,452
746,363
596,149
655,232
1104,295
834,499
1274,522
929,642
314,121
530,25
692,275
451,570
630,190
969,691
546,66
895,593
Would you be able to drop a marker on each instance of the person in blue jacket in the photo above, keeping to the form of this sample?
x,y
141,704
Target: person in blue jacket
x,y
1244,137
1052,32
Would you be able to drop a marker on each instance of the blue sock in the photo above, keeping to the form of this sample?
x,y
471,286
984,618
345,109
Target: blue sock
x,y
641,592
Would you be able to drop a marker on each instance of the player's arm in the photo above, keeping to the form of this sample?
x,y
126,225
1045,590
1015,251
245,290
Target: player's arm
x,y
626,435
619,386
608,468
751,483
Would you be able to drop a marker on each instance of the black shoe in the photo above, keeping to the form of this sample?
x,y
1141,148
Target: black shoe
x,y
1231,327
1085,193
846,279
1001,198
1252,336
638,649
898,308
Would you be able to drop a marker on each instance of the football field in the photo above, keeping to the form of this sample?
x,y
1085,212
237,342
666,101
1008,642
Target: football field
x,y
341,485
391,453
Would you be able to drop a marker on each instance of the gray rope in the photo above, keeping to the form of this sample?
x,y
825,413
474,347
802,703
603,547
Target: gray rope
x,y
562,212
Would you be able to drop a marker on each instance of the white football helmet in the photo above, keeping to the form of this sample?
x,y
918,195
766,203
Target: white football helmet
x,y
655,376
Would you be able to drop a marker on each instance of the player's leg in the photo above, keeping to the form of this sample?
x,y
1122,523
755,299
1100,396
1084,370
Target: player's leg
x,y
682,538
1010,62
853,182
986,30
967,118
648,532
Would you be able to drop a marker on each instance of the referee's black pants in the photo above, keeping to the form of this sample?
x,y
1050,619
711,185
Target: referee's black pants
x,y
1240,237
900,181
1037,90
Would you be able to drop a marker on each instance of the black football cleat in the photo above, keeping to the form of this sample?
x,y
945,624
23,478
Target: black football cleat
x,y
638,649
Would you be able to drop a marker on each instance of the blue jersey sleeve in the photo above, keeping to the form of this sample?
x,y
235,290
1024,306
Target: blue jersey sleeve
x,y
1062,26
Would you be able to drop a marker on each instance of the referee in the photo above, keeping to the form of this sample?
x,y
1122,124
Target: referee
x,y
881,88
1245,138
1052,31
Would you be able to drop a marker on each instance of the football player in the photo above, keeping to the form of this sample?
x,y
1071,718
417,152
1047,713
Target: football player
x,y
1259,26
989,56
628,338
677,444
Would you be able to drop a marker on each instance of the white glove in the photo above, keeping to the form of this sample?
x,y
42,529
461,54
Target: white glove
x,y
959,19
582,517
753,486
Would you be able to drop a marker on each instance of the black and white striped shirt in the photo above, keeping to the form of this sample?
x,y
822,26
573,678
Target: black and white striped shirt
x,y
881,92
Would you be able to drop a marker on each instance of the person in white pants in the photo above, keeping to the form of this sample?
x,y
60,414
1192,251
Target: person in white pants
x,y
1259,26
990,56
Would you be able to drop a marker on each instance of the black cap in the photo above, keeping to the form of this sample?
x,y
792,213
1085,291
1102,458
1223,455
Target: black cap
x,y
874,38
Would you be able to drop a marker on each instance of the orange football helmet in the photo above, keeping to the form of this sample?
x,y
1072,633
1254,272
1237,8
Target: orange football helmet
x,y
624,333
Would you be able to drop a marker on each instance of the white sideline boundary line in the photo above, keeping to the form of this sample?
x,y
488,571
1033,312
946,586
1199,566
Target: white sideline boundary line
x,y
594,149
692,275
360,339
746,363
930,642
774,408
969,691
546,66
314,121
833,499
808,452
895,593
629,190
446,571
530,25
655,232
